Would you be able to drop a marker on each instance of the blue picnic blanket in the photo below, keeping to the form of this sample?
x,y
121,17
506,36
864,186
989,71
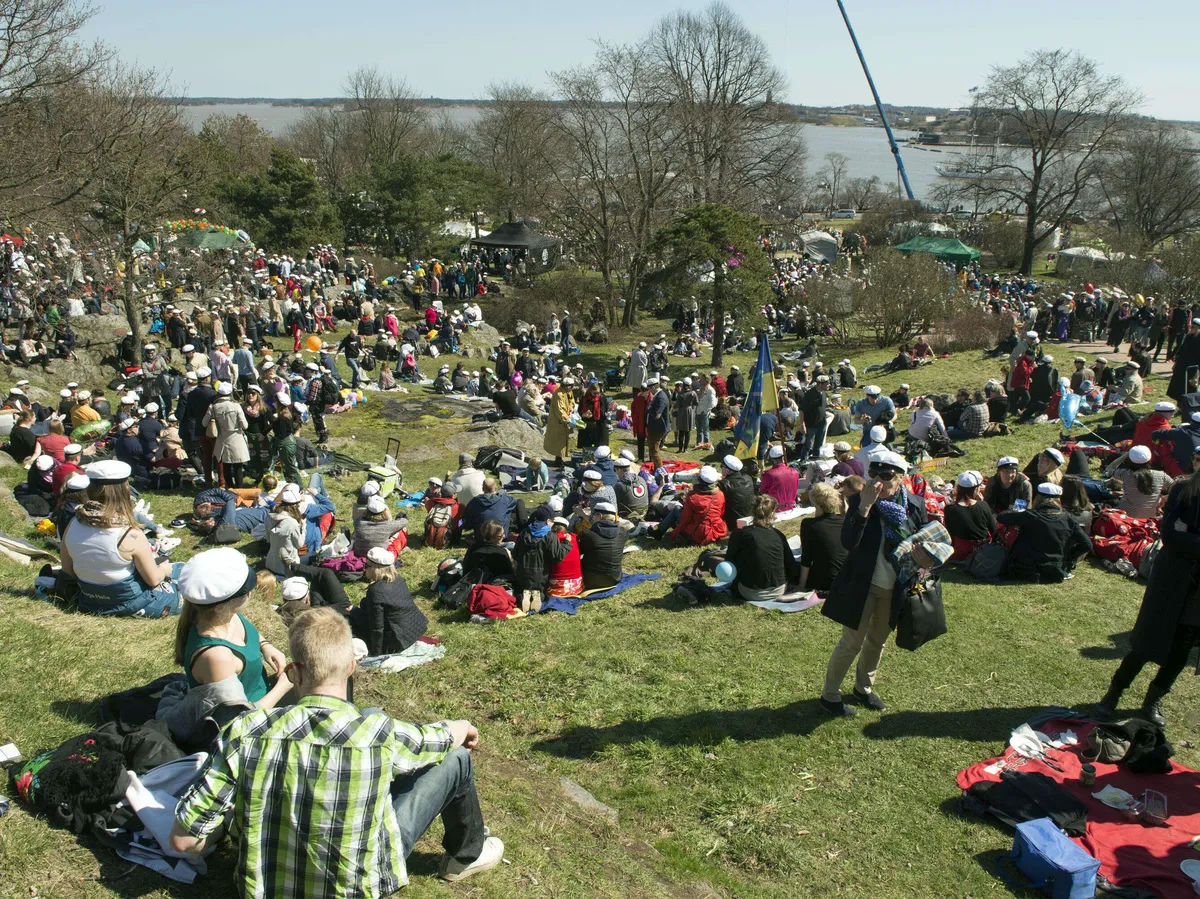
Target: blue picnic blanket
x,y
413,500
571,604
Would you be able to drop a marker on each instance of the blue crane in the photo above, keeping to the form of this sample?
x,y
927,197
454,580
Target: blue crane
x,y
878,104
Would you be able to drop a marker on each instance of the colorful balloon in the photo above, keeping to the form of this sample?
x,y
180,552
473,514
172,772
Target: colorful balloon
x,y
313,343
726,572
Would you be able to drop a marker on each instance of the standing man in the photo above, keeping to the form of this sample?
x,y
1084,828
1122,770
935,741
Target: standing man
x,y
315,398
814,405
196,443
636,373
1177,327
658,420
351,345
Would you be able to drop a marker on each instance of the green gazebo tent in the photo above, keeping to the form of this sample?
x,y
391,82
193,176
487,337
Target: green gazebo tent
x,y
208,240
946,249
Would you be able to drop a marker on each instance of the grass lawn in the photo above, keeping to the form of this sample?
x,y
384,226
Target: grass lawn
x,y
699,725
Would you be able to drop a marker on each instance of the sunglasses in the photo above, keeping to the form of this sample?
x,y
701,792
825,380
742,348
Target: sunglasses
x,y
883,474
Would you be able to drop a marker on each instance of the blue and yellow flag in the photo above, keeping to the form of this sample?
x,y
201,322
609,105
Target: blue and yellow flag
x,y
763,397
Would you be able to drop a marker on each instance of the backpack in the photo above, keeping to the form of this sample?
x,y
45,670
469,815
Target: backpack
x,y
437,526
459,595
987,562
367,362
330,395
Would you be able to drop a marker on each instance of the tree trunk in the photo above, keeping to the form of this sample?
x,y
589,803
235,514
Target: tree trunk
x,y
636,266
718,313
1030,243
133,311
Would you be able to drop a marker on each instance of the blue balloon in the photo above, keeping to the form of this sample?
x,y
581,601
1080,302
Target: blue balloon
x,y
726,572
1068,409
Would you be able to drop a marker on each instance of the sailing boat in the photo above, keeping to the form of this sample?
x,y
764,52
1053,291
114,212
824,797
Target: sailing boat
x,y
973,166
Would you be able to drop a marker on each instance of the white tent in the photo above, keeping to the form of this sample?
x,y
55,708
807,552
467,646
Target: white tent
x,y
820,245
1082,256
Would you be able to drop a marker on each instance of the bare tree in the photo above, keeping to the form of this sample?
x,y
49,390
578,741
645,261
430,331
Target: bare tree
x,y
1066,114
717,78
386,115
833,176
865,194
615,177
152,160
1151,185
323,135
516,136
44,74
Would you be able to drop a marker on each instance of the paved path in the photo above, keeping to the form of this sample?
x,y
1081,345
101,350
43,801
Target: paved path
x,y
1064,352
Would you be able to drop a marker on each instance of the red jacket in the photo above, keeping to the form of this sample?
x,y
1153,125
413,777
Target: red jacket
x,y
637,412
718,384
62,471
1022,375
1143,435
569,567
703,518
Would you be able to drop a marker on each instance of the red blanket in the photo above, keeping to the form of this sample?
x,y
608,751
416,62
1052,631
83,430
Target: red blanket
x,y
672,466
1130,855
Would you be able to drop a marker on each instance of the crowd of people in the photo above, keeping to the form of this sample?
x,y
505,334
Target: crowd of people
x,y
209,400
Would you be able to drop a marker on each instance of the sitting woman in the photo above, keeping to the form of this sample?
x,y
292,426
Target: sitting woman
x,y
969,520
701,519
387,619
489,554
74,494
365,492
1145,487
1049,541
761,555
1077,503
40,479
566,574
214,641
602,549
378,528
107,552
821,550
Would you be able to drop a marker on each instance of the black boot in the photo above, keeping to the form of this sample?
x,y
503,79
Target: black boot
x,y
1107,707
1152,708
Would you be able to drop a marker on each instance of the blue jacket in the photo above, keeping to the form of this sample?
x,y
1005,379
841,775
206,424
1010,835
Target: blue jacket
x,y
608,474
489,507
658,414
320,505
1183,440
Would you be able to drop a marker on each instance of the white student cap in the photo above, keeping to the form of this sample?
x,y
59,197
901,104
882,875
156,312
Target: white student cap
x,y
1049,489
376,504
709,475
109,472
379,555
294,588
732,462
216,575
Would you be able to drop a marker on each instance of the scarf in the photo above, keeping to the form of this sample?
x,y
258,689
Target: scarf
x,y
893,513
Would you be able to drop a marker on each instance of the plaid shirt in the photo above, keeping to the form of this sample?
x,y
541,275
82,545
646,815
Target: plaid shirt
x,y
974,419
309,786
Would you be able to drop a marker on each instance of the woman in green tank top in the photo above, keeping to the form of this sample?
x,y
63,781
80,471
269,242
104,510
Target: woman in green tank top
x,y
214,640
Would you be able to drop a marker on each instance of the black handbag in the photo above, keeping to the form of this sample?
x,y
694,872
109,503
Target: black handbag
x,y
922,616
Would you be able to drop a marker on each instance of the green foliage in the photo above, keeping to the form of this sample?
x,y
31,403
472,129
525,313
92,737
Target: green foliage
x,y
400,205
285,206
713,252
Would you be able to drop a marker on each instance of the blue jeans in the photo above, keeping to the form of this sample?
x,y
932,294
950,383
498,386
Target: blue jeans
x,y
446,789
959,434
355,373
673,517
132,598
702,426
814,438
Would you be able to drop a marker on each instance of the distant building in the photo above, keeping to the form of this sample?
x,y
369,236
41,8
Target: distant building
x,y
930,119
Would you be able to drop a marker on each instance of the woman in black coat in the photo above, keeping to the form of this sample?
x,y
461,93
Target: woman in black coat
x,y
1168,623
387,620
1049,540
867,595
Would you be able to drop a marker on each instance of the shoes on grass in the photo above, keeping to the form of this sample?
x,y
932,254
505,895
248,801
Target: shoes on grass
x,y
454,870
870,700
838,709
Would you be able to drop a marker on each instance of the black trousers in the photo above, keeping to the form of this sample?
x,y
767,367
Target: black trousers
x,y
1177,659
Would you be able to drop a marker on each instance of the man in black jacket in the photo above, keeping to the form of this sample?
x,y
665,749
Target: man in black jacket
x,y
601,549
658,420
633,496
1042,387
739,490
735,383
351,345
197,445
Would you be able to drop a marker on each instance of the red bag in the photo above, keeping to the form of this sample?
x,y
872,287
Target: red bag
x,y
490,600
1111,549
1114,522
1137,550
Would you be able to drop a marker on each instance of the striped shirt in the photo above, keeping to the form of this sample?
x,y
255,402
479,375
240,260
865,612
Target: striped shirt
x,y
309,788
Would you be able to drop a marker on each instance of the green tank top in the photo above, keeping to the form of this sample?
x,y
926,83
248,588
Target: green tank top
x,y
252,678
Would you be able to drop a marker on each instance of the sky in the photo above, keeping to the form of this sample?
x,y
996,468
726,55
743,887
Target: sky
x,y
921,52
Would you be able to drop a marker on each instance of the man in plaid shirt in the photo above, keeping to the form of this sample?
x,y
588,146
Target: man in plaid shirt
x,y
328,801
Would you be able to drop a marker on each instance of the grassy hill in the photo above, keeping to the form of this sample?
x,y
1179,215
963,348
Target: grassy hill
x,y
699,725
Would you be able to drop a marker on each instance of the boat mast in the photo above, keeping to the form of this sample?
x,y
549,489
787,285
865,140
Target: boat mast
x,y
878,104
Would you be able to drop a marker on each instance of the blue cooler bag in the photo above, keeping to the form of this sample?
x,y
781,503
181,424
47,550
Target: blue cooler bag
x,y
1056,866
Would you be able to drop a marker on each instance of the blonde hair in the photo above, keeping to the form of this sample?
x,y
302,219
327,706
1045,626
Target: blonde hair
x,y
373,573
319,641
764,510
826,499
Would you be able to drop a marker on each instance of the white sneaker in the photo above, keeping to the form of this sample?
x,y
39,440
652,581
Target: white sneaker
x,y
493,853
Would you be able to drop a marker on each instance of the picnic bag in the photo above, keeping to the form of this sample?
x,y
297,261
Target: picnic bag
x,y
1055,865
988,561
922,615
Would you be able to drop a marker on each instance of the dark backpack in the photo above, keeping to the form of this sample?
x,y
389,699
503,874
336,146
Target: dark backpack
x,y
987,562
459,594
224,533
330,395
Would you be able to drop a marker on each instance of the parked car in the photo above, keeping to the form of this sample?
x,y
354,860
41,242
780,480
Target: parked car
x,y
843,214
